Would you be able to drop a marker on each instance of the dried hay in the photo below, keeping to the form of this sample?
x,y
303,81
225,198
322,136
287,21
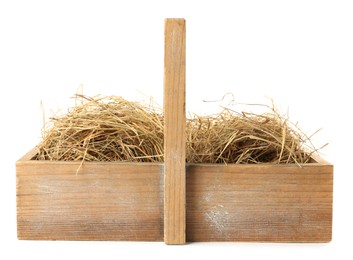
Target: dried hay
x,y
113,129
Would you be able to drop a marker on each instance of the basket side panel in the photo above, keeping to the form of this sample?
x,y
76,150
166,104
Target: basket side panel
x,y
104,201
260,203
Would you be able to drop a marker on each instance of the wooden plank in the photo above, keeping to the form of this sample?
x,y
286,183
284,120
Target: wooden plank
x,y
264,203
105,201
124,201
174,132
29,156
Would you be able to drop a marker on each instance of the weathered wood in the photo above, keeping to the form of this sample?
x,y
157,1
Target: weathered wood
x,y
267,203
124,201
174,132
105,201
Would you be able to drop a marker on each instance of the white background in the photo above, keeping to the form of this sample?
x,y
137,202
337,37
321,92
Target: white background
x,y
297,52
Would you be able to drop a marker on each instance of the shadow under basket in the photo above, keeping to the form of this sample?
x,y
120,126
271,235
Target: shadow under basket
x,y
124,201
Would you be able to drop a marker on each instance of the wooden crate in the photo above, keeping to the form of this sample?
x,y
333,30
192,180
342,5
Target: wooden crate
x,y
104,201
120,201
171,201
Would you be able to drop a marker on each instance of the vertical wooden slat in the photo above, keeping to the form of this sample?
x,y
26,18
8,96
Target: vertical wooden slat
x,y
174,132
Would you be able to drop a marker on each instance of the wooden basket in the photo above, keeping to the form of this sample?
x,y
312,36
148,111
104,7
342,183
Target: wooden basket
x,y
172,201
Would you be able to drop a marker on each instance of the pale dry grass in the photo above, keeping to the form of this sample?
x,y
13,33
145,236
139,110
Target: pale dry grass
x,y
113,129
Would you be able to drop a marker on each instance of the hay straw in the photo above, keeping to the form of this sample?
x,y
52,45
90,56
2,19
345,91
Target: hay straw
x,y
104,129
113,129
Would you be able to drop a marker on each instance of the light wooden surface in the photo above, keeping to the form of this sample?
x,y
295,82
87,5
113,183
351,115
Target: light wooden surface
x,y
105,201
174,132
266,203
146,202
119,201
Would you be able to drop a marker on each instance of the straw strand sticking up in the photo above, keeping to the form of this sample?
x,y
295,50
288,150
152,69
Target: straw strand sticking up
x,y
113,129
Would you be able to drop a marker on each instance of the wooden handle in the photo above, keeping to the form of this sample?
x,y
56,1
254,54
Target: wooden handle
x,y
174,132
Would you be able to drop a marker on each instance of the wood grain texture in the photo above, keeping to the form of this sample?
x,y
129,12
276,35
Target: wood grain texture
x,y
117,201
105,201
174,132
267,203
